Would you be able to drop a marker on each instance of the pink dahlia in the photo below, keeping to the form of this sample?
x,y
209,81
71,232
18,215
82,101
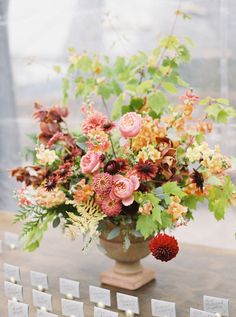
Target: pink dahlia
x,y
94,121
102,183
111,207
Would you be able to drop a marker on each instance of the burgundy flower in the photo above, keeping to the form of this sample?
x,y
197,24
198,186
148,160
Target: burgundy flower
x,y
51,183
198,179
146,170
164,247
108,126
57,113
112,167
123,164
63,172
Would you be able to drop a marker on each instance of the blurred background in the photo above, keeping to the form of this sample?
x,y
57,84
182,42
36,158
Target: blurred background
x,y
35,36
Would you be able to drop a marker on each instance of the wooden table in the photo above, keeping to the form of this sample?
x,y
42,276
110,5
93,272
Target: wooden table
x,y
196,271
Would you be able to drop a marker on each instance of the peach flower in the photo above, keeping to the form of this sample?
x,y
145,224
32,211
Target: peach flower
x,y
130,124
90,162
123,188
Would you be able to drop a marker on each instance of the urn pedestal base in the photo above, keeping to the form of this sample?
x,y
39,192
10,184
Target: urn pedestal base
x,y
130,276
127,273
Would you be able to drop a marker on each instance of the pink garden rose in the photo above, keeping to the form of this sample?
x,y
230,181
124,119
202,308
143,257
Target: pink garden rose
x,y
130,124
123,188
90,162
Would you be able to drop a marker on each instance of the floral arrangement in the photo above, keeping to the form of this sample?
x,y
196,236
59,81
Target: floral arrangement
x,y
143,169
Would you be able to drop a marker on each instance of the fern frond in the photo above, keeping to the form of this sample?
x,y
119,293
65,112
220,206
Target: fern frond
x,y
86,223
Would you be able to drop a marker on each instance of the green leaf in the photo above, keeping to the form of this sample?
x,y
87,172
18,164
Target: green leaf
x,y
222,116
104,90
113,233
146,225
153,198
169,42
144,87
126,243
213,110
57,69
136,103
157,102
166,220
190,201
125,109
218,198
56,222
173,189
223,101
156,214
84,63
205,101
225,114
116,112
136,233
169,87
32,246
116,88
120,66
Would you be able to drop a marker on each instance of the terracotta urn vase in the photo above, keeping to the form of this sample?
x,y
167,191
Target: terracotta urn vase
x,y
127,272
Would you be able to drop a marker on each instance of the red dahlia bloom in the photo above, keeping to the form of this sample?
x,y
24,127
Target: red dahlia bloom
x,y
146,170
164,247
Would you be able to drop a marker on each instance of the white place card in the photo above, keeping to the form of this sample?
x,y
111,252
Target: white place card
x,y
69,288
101,312
100,295
216,305
127,303
12,273
72,308
39,280
13,291
200,313
11,240
162,308
42,300
16,309
41,313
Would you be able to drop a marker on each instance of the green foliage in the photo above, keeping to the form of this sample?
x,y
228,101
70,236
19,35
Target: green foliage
x,y
219,198
172,188
191,201
154,76
157,102
37,220
218,109
146,225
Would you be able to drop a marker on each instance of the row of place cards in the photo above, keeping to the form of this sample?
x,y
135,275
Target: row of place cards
x,y
213,306
127,303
